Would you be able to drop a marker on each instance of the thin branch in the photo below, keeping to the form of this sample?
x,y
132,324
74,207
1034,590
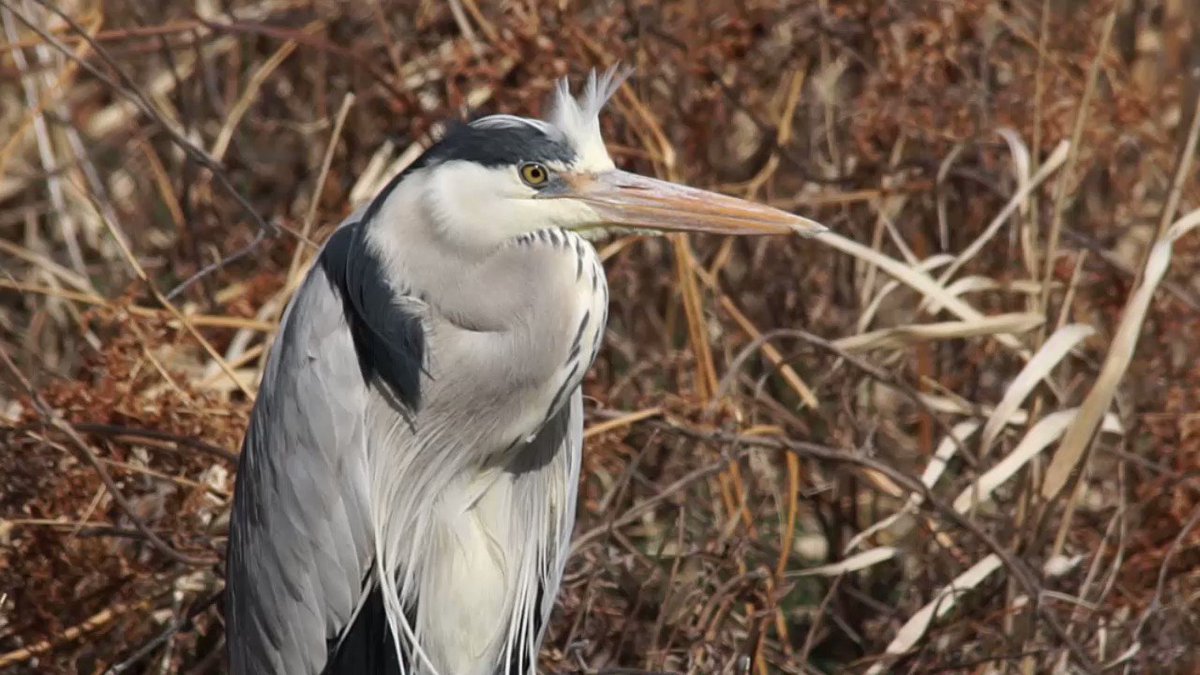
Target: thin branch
x,y
175,627
1156,602
1020,571
61,425
1068,173
128,88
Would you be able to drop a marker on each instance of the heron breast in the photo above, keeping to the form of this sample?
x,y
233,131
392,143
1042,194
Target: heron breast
x,y
586,314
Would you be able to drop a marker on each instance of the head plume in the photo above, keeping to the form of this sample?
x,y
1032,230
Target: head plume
x,y
579,118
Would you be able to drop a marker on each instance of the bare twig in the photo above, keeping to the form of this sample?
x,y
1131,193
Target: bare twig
x,y
1068,174
55,422
128,89
96,622
1020,571
171,630
1160,586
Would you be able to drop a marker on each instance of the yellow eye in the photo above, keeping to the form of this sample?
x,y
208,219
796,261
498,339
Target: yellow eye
x,y
534,174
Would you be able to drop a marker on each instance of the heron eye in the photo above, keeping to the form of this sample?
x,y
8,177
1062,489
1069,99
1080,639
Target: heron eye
x,y
534,174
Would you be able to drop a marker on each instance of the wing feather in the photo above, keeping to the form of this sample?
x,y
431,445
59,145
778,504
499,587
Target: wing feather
x,y
300,539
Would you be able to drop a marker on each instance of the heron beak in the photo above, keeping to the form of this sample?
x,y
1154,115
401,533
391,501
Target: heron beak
x,y
626,199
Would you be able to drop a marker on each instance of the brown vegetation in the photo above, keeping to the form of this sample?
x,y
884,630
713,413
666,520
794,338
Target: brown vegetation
x,y
759,404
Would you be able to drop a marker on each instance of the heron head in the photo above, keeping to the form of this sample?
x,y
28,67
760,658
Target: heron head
x,y
502,176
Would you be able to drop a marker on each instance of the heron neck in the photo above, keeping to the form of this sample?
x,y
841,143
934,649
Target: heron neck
x,y
491,286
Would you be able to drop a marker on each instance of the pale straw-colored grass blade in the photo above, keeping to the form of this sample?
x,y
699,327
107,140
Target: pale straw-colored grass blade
x,y
901,336
1078,436
854,563
930,263
946,450
1049,429
975,284
1053,162
1037,369
917,280
943,601
1022,161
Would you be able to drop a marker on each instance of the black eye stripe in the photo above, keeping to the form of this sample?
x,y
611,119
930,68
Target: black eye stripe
x,y
489,146
497,146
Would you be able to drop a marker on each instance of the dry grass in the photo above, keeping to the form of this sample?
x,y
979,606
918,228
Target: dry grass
x,y
958,434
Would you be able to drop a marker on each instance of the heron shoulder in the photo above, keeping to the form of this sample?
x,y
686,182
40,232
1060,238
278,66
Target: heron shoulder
x,y
389,339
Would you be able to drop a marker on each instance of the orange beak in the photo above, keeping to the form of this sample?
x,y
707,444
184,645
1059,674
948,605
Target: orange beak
x,y
626,199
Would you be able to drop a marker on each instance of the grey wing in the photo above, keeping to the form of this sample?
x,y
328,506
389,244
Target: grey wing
x,y
299,541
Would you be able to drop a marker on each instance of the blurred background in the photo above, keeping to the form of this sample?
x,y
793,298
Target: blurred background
x,y
961,435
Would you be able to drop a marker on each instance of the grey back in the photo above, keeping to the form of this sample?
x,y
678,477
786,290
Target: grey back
x,y
299,547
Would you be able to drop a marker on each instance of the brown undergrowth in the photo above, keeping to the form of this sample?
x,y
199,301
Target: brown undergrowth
x,y
960,434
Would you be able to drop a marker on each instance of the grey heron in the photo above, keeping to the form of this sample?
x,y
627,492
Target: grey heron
x,y
406,491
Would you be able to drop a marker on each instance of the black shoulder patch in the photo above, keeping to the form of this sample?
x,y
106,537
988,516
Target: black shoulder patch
x,y
389,341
